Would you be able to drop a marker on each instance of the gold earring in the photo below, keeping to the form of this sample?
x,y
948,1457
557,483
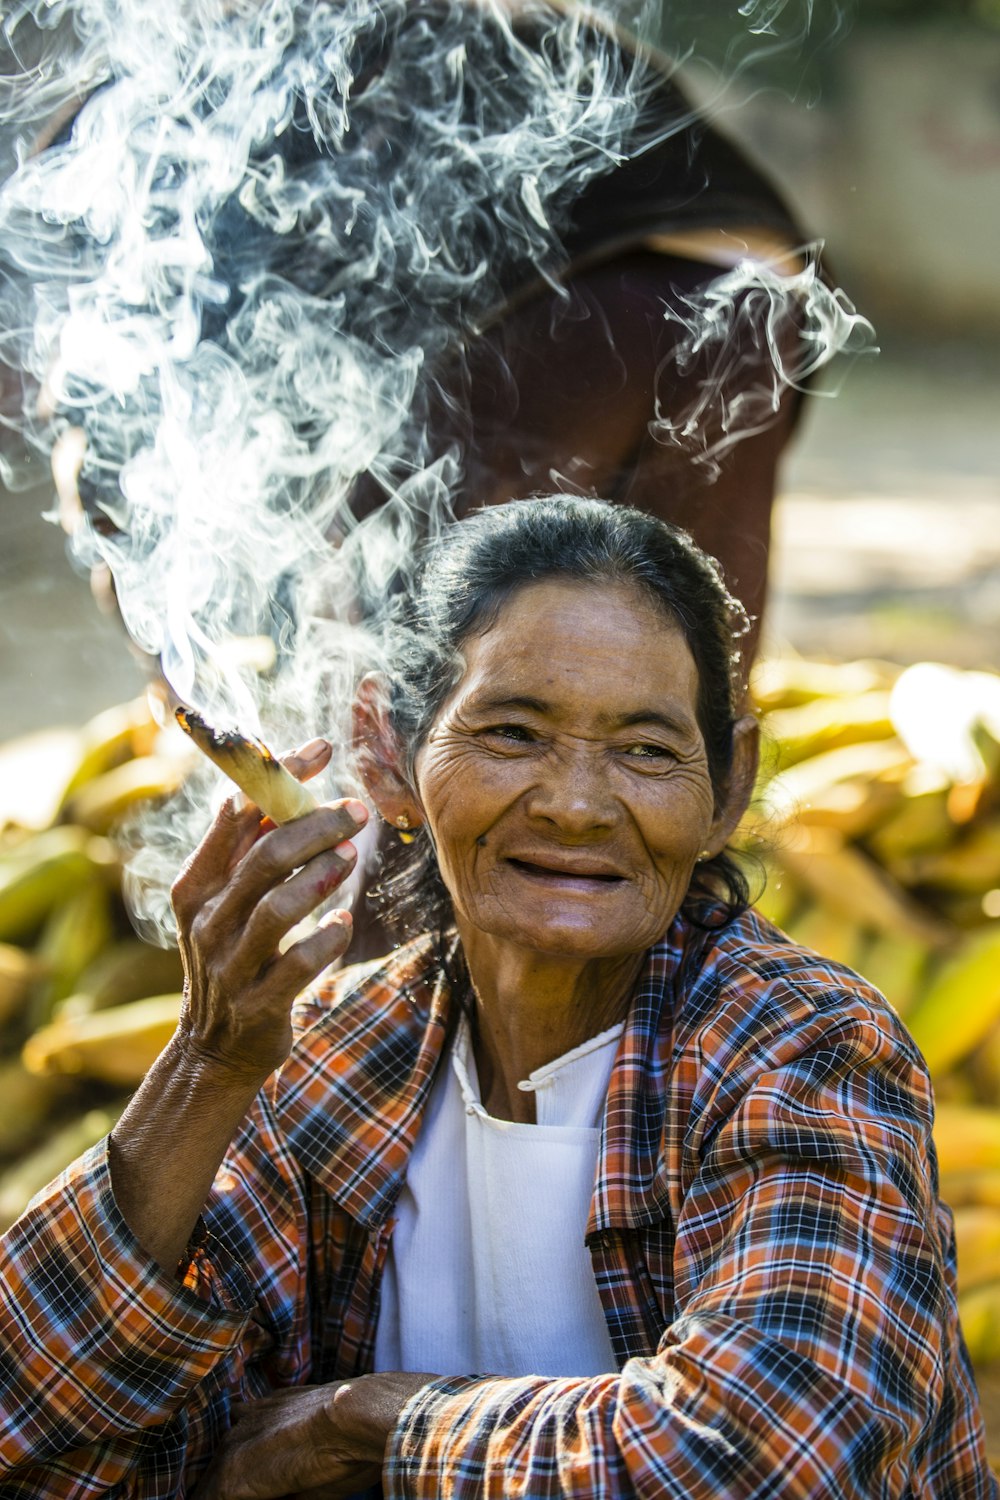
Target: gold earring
x,y
705,854
404,825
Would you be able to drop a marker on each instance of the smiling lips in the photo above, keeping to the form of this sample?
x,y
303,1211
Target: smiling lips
x,y
580,871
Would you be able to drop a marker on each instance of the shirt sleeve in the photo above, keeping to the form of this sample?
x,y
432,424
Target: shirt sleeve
x,y
113,1372
808,1354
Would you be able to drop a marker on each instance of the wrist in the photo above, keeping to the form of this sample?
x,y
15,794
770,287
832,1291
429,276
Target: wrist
x,y
367,1410
206,1071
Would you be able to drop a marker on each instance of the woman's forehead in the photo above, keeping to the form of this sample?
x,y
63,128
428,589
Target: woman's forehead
x,y
557,637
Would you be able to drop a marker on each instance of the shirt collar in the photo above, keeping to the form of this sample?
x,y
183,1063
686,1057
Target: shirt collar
x,y
378,1042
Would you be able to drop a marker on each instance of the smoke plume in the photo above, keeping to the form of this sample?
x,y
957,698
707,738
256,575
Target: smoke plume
x,y
239,242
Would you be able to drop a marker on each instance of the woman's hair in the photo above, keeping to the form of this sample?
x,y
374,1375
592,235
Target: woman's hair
x,y
467,577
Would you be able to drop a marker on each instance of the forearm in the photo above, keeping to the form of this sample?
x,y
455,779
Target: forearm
x,y
685,1425
98,1347
168,1145
240,895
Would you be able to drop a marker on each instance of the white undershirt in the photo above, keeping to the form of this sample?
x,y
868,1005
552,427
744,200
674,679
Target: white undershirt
x,y
487,1272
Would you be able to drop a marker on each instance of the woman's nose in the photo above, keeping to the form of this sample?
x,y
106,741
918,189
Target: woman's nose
x,y
573,794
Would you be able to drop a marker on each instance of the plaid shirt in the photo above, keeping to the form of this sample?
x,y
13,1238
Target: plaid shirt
x,y
776,1270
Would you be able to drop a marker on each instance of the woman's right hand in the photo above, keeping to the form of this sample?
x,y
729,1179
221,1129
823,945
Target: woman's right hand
x,y
243,891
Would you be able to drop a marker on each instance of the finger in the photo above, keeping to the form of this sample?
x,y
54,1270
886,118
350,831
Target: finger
x,y
256,1410
281,852
296,969
68,453
260,1027
286,905
233,832
308,760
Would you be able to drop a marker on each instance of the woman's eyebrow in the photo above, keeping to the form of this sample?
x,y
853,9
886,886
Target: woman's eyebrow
x,y
502,705
675,724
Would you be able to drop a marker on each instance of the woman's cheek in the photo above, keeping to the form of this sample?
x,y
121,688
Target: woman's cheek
x,y
455,785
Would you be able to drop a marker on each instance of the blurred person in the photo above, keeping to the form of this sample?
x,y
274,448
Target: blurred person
x,y
634,368
601,370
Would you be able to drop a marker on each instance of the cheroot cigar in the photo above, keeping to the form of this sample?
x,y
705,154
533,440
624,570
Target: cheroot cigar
x,y
251,765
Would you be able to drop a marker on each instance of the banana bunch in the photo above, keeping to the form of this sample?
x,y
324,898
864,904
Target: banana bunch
x,y
84,1005
877,818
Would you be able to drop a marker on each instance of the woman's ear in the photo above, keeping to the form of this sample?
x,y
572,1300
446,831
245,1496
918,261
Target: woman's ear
x,y
739,784
379,757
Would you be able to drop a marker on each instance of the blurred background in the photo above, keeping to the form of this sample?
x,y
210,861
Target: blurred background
x,y
883,129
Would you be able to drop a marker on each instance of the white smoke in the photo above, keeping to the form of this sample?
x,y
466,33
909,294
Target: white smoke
x,y
735,334
237,241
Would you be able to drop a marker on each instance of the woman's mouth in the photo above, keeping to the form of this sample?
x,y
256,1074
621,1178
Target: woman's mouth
x,y
581,875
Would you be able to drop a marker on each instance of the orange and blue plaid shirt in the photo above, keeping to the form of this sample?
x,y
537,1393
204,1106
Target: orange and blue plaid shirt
x,y
776,1270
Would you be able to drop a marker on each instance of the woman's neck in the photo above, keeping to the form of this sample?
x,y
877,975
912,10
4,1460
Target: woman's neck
x,y
531,1009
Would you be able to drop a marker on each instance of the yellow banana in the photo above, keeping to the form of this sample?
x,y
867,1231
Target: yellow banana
x,y
116,1046
827,724
19,972
977,1236
73,936
101,802
970,865
971,1186
789,681
979,1313
781,897
984,1067
828,933
34,769
127,970
921,821
842,877
852,788
967,1138
32,1173
960,1005
27,1103
43,871
111,738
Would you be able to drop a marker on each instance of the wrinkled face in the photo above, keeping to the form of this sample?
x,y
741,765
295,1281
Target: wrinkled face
x,y
565,780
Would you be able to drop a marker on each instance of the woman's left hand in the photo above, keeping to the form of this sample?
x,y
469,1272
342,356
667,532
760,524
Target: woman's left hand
x,y
318,1442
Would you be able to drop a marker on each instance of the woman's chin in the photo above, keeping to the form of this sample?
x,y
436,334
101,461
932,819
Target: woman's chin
x,y
566,935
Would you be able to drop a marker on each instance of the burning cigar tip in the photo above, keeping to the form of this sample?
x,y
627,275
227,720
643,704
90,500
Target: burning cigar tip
x,y
251,766
204,733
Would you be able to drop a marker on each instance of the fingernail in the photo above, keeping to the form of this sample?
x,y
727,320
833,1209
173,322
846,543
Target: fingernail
x,y
310,751
346,851
357,810
338,918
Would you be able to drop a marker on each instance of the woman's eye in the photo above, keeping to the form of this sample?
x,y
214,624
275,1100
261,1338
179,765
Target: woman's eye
x,y
644,751
515,732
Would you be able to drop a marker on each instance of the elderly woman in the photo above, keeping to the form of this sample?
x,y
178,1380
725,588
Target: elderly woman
x,y
597,1186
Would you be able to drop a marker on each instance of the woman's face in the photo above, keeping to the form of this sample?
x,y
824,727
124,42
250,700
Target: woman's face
x,y
565,781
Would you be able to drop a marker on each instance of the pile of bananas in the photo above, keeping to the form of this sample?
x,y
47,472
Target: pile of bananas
x,y
877,816
85,1006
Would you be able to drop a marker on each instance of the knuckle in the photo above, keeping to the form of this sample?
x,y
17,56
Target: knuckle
x,y
181,890
273,907
300,963
265,862
200,930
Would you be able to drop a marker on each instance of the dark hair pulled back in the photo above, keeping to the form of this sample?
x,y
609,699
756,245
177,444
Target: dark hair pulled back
x,y
469,574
